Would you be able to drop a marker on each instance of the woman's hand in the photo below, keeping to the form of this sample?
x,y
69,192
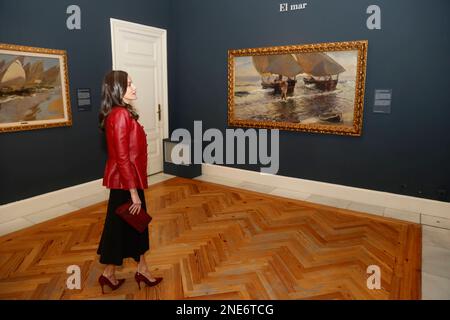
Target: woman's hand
x,y
135,208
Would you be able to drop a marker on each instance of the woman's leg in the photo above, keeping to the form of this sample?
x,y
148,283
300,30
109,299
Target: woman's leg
x,y
143,269
111,242
110,273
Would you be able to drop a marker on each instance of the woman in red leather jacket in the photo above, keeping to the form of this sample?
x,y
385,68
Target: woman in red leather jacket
x,y
126,177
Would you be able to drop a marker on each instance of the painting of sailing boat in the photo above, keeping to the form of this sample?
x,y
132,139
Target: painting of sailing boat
x,y
34,91
314,88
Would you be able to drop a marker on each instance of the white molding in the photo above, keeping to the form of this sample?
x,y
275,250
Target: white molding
x,y
165,86
22,208
372,197
113,49
159,39
125,23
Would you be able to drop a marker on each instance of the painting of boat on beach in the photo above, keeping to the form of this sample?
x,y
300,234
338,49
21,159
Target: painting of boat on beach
x,y
315,88
34,89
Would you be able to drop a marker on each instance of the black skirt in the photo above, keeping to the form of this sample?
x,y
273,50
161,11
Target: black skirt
x,y
119,240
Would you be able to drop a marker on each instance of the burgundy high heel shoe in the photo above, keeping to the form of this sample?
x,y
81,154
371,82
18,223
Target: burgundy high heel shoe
x,y
105,281
140,277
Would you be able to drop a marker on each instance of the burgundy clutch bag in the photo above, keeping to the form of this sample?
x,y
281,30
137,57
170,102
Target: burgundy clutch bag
x,y
138,221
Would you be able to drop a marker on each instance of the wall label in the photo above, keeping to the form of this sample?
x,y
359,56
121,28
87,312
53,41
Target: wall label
x,y
84,99
285,7
382,101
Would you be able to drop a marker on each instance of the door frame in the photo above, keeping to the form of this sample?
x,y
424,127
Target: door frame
x,y
159,33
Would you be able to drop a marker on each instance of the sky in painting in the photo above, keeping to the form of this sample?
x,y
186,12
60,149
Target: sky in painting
x,y
48,62
348,59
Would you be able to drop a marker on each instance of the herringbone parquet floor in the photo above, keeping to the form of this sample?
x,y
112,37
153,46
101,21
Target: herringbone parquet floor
x,y
216,242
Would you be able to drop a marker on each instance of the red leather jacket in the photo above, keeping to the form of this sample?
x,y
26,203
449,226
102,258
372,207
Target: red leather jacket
x,y
126,167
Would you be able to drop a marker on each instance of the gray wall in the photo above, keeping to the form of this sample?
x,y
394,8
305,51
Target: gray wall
x,y
41,161
410,55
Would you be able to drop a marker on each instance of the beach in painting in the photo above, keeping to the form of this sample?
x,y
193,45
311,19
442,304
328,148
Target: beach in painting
x,y
30,89
307,102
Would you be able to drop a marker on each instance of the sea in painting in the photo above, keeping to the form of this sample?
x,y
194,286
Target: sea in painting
x,y
30,89
305,88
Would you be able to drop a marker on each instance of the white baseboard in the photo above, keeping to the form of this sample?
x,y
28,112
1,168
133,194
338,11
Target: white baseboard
x,y
22,208
372,197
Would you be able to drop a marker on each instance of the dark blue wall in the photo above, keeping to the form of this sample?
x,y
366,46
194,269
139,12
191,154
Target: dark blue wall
x,y
410,55
40,161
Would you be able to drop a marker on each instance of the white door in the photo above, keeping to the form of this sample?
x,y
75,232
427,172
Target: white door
x,y
141,51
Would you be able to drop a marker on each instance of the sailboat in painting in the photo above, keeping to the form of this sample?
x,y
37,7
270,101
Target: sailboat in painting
x,y
29,90
15,77
34,88
318,69
278,65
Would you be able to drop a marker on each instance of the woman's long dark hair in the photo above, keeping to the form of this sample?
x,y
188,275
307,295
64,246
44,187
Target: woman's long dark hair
x,y
114,87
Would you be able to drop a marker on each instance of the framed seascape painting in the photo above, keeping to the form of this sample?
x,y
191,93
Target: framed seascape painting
x,y
314,87
34,88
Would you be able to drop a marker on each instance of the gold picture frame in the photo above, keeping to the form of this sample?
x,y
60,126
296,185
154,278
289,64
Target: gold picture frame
x,y
34,88
321,103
